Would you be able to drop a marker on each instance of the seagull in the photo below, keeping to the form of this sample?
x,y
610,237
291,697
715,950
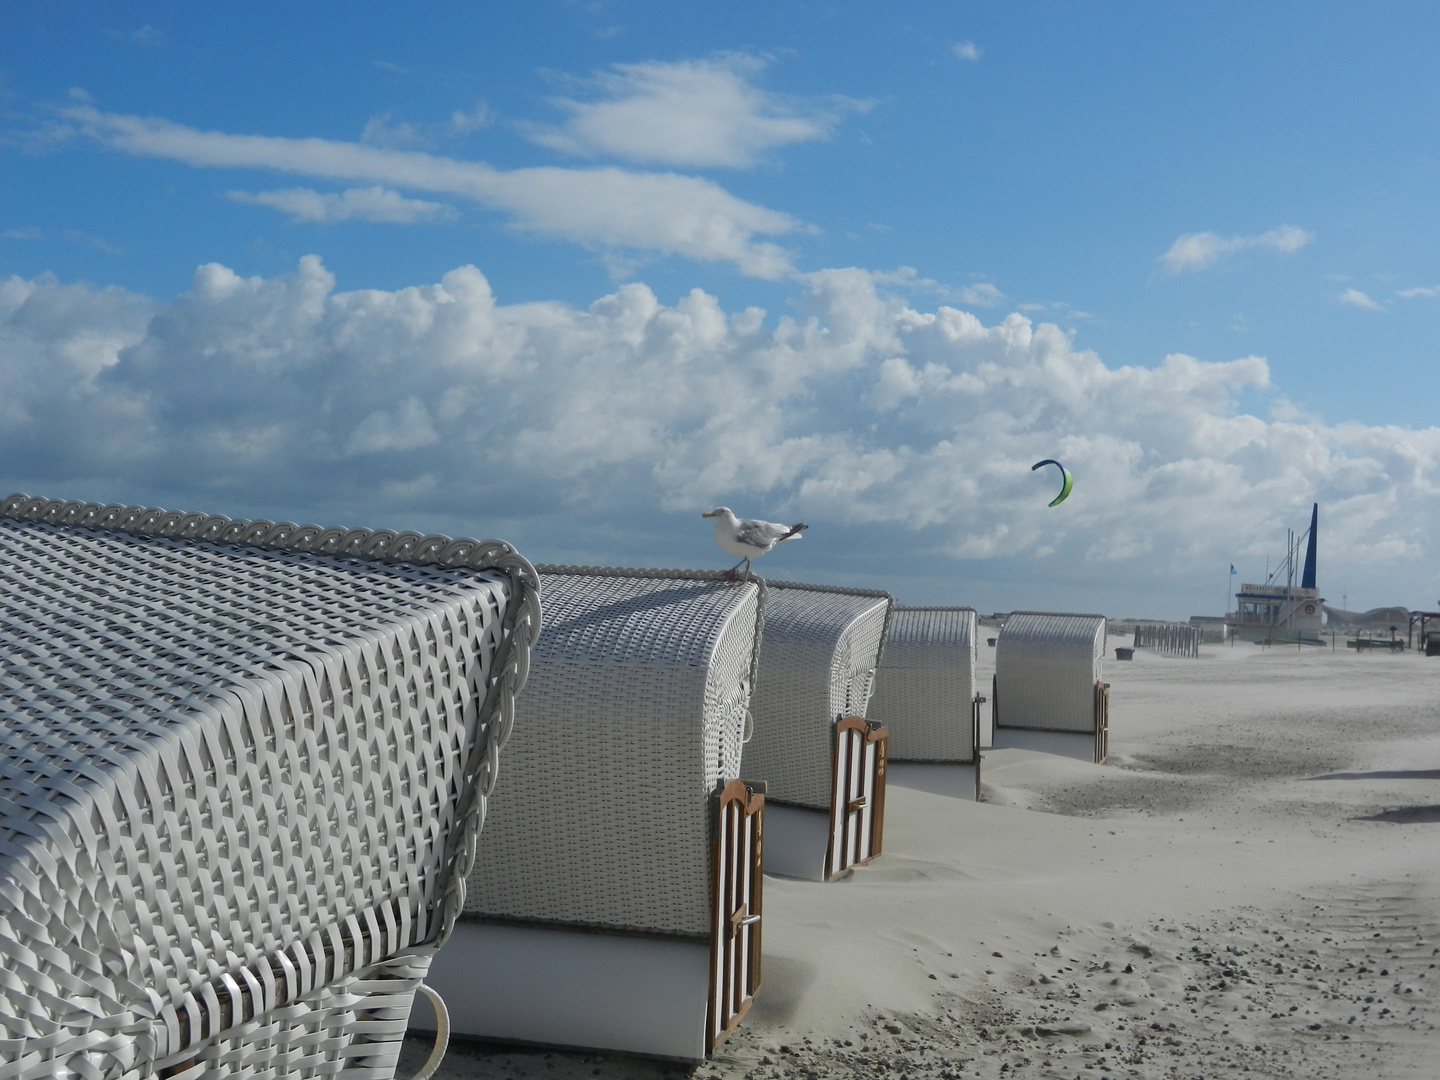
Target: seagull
x,y
747,538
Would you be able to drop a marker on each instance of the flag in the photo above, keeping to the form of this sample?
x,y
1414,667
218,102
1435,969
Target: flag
x,y
1232,569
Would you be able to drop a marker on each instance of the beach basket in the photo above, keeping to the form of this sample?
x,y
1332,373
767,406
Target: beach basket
x,y
244,765
1047,679
823,763
619,873
925,692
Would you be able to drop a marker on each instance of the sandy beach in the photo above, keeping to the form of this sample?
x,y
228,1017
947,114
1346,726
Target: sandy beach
x,y
1248,887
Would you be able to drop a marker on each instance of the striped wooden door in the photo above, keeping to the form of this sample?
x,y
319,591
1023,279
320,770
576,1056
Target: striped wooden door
x,y
975,703
735,941
1102,722
857,805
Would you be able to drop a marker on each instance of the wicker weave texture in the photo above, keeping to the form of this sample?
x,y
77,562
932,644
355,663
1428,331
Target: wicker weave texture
x,y
352,1029
925,684
633,714
1046,667
232,781
817,662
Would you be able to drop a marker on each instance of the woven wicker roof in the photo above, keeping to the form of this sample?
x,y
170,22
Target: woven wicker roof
x,y
633,715
1046,667
215,752
925,683
817,662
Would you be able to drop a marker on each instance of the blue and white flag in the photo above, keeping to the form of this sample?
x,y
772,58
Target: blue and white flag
x,y
1232,569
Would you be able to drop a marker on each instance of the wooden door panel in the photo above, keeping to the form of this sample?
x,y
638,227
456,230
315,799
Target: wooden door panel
x,y
737,877
857,807
1102,722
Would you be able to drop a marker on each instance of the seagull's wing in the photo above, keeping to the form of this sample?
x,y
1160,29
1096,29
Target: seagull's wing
x,y
760,534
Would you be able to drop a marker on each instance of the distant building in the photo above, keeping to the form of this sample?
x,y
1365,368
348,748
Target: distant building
x,y
1287,612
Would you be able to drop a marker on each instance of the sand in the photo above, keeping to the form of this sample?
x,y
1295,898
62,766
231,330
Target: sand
x,y
1251,886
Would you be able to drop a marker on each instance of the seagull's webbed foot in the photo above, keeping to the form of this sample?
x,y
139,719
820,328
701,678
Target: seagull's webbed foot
x,y
733,574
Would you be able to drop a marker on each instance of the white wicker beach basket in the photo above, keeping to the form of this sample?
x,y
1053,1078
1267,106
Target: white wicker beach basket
x,y
242,769
1047,665
633,718
817,663
925,684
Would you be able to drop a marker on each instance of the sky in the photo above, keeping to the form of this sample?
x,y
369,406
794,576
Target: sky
x,y
571,273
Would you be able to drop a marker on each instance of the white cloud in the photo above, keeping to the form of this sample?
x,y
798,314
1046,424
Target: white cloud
x,y
966,50
976,294
1356,298
1199,251
604,207
404,428
904,436
981,294
54,341
68,236
145,36
1420,290
361,204
383,129
464,121
690,112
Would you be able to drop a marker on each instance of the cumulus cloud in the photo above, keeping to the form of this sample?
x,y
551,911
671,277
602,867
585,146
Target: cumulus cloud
x,y
689,112
360,204
606,208
1355,298
966,50
904,436
55,342
1199,251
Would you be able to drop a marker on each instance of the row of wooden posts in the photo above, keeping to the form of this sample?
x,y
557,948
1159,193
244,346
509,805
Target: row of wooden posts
x,y
1172,639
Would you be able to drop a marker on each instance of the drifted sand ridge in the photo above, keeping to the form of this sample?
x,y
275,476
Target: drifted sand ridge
x,y
1251,885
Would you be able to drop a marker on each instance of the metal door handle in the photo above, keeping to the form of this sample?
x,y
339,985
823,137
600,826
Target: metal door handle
x,y
741,918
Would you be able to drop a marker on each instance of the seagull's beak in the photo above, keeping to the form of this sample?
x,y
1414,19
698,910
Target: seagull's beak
x,y
708,513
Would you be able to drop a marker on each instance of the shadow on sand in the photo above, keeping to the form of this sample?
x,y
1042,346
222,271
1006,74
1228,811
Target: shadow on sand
x,y
1406,815
1399,774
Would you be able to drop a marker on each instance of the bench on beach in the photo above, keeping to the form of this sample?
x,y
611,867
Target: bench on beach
x,y
242,769
1047,691
822,761
925,696
616,897
1376,644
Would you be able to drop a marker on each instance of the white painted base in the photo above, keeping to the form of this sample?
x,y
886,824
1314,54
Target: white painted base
x,y
1062,743
796,841
549,987
953,779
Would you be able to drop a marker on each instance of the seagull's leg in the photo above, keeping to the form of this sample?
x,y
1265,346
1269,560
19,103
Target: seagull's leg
x,y
734,572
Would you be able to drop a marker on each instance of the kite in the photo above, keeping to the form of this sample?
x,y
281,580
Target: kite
x,y
1068,481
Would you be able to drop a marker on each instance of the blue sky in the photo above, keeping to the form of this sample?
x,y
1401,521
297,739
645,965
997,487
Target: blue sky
x,y
571,273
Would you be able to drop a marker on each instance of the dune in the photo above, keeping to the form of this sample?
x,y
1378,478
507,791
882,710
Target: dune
x,y
1251,884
